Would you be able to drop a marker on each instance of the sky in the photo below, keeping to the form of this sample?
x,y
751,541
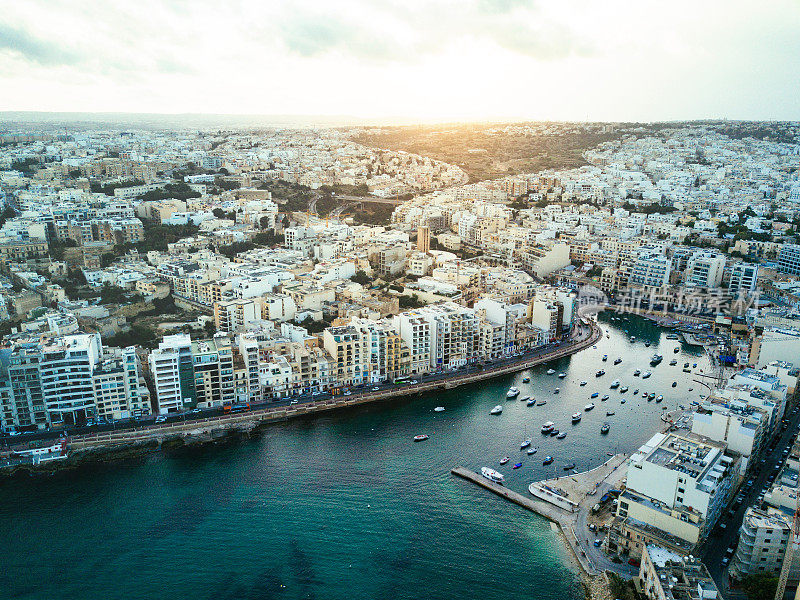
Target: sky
x,y
406,60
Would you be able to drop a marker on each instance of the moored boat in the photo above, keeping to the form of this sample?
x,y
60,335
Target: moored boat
x,y
604,398
604,429
623,389
551,371
618,360
492,475
531,402
504,460
512,392
525,444
595,395
420,438
548,427
609,413
562,375
576,417
547,460
589,406
517,466
646,374
439,409
600,373
561,435
496,410
614,384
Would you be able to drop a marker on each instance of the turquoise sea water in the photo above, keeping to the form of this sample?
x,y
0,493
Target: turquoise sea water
x,y
344,505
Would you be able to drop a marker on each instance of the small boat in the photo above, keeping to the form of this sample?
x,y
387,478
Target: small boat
x,y
439,409
622,401
589,406
681,406
636,373
623,389
604,398
531,402
636,391
609,454
651,395
517,466
555,391
569,467
554,433
655,359
691,389
541,403
547,460
504,460
561,435
562,375
576,417
550,371
526,380
633,338
605,357
614,384
676,349
420,438
687,370
583,383
600,373
646,374
548,427
524,398
604,429
595,395
660,398
496,410
685,365
532,451
673,362
647,344
492,475
674,384
525,444
694,365
609,413
617,361
512,392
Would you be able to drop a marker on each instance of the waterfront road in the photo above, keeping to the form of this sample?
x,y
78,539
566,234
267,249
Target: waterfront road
x,y
762,475
583,335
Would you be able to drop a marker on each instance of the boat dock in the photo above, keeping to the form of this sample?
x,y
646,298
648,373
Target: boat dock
x,y
568,507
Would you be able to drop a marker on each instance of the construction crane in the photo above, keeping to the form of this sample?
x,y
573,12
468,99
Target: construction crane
x,y
791,547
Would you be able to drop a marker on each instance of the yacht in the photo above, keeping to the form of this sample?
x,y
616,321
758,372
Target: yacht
x,y
605,428
492,475
595,395
569,467
589,406
496,410
512,393
609,413
554,433
614,384
623,389
655,359
561,435
524,398
636,373
673,362
525,444
660,398
439,409
583,383
604,398
532,451
646,374
550,371
619,360
548,427
504,460
636,392
526,380
531,402
605,357
420,438
541,403
600,373
547,460
576,417
562,375
651,395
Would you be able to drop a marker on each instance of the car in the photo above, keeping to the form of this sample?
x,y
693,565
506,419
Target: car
x,y
414,382
295,401
725,561
729,551
376,389
316,393
194,411
14,433
161,419
348,393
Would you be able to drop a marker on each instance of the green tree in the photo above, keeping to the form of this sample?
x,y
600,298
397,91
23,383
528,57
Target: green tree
x,y
361,277
760,587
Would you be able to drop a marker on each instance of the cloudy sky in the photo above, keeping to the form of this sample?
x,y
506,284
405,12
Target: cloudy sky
x,y
409,59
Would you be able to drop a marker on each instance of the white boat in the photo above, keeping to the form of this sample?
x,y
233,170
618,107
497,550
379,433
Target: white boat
x,y
524,398
439,409
562,375
646,374
496,410
614,384
623,389
604,398
548,427
525,444
492,475
550,371
512,393
576,417
636,373
583,383
617,361
526,380
589,406
557,390
420,438
532,451
531,402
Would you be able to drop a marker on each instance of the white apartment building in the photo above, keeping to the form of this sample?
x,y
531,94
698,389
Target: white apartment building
x,y
743,278
415,330
172,371
650,270
704,269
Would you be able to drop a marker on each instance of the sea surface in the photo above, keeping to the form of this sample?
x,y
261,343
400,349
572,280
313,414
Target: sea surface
x,y
343,505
